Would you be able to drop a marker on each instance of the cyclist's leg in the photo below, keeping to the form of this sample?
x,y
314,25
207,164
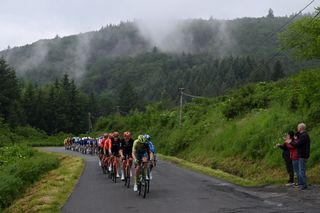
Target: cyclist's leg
x,y
145,166
117,164
123,168
109,163
137,171
129,164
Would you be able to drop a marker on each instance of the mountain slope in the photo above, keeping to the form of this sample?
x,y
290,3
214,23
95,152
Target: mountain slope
x,y
237,132
46,60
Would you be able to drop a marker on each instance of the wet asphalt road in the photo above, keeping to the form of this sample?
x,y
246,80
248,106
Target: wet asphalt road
x,y
174,189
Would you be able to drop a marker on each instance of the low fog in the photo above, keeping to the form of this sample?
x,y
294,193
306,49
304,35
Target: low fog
x,y
169,26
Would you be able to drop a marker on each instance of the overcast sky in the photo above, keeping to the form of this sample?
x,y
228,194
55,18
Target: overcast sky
x,y
26,21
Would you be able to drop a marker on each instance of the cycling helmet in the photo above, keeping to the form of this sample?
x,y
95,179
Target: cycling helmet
x,y
141,138
126,134
147,137
116,134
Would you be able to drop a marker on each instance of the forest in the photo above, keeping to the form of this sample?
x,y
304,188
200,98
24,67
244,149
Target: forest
x,y
57,85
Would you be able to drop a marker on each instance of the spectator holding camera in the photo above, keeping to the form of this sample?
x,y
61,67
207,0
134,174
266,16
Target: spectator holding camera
x,y
286,156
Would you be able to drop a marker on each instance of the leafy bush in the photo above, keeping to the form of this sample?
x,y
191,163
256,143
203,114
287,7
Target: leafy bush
x,y
29,132
21,166
248,98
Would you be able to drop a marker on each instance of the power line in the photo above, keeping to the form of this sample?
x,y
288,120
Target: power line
x,y
259,67
279,52
181,104
288,22
191,96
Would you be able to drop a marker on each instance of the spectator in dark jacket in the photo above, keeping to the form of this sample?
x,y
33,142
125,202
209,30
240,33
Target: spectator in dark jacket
x,y
286,157
303,147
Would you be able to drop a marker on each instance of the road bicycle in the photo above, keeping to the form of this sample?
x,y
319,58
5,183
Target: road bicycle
x,y
143,182
113,173
127,173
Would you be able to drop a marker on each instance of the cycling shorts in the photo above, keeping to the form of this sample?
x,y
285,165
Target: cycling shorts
x,y
127,157
140,155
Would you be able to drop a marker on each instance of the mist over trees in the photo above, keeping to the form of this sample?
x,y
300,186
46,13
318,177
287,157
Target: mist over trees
x,y
56,107
46,60
157,76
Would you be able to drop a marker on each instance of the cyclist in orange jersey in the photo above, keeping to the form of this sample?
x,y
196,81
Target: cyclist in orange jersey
x,y
102,155
106,148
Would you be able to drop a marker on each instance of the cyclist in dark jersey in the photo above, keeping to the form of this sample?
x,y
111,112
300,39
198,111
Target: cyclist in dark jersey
x,y
114,148
126,152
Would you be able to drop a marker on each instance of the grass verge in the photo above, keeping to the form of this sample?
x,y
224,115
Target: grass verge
x,y
208,171
51,192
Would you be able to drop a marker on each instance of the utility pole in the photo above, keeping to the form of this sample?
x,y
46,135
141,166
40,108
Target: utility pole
x,y
181,102
89,122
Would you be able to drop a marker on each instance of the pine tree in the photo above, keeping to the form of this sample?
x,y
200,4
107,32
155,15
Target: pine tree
x,y
277,71
29,104
9,93
127,97
270,13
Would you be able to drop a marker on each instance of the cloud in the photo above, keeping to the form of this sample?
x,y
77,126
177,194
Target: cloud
x,y
189,36
32,57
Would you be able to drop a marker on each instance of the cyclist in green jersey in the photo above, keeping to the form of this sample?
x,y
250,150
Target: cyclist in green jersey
x,y
140,153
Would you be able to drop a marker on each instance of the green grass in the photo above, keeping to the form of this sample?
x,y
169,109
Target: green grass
x,y
208,171
26,135
21,166
53,189
236,133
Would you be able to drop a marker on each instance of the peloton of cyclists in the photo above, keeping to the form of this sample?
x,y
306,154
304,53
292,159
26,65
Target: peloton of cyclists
x,y
113,151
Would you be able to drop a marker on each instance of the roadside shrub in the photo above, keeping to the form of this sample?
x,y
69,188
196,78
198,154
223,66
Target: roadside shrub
x,y
250,97
29,132
10,187
21,166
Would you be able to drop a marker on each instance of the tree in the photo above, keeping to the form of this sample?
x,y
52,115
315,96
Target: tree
x,y
9,93
128,99
277,71
28,103
302,37
270,13
51,110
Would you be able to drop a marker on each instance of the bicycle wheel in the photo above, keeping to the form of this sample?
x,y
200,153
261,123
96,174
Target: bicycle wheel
x,y
148,181
128,177
144,188
148,185
103,169
114,174
128,182
110,173
139,187
125,177
144,183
